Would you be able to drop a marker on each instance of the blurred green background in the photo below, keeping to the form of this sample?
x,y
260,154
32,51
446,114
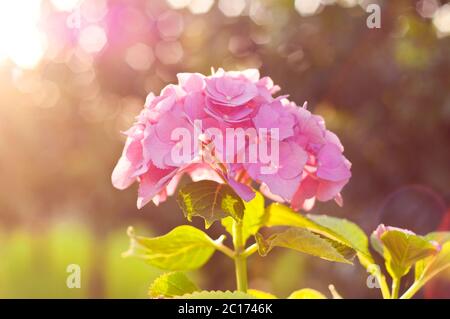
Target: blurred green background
x,y
73,74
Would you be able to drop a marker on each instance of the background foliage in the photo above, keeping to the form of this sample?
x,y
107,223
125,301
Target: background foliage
x,y
63,101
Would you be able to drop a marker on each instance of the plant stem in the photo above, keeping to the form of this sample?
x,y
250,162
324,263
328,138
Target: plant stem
x,y
383,285
240,260
395,287
218,243
250,250
412,290
241,273
334,292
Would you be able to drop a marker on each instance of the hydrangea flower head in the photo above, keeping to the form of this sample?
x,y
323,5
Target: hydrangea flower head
x,y
286,150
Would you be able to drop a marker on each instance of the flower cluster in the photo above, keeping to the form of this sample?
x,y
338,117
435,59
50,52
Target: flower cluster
x,y
309,163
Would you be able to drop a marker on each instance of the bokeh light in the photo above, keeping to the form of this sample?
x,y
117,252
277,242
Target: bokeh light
x,y
232,8
139,56
66,5
93,39
200,6
178,4
170,24
441,20
427,8
93,11
307,7
20,38
169,52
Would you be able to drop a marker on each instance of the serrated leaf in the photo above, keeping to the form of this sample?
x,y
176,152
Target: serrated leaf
x,y
171,284
261,294
307,242
307,293
183,248
253,217
281,215
401,250
217,295
211,201
351,232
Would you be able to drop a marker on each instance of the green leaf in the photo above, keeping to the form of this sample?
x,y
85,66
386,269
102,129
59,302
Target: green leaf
x,y
211,201
183,248
351,232
253,217
281,215
401,250
307,242
261,294
216,295
171,284
377,245
306,293
429,267
441,237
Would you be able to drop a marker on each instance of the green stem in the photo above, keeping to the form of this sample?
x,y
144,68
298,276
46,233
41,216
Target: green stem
x,y
241,273
412,290
395,287
240,259
334,292
250,250
383,285
218,243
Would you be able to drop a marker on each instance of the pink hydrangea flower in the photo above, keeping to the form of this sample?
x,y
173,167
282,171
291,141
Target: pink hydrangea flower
x,y
310,163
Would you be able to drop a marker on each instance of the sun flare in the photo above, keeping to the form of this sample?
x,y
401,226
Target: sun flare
x,y
21,41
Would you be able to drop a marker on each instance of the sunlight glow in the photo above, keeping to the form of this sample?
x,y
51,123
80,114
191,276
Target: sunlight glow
x,y
441,20
232,8
200,6
20,39
92,39
307,7
65,5
178,4
139,57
